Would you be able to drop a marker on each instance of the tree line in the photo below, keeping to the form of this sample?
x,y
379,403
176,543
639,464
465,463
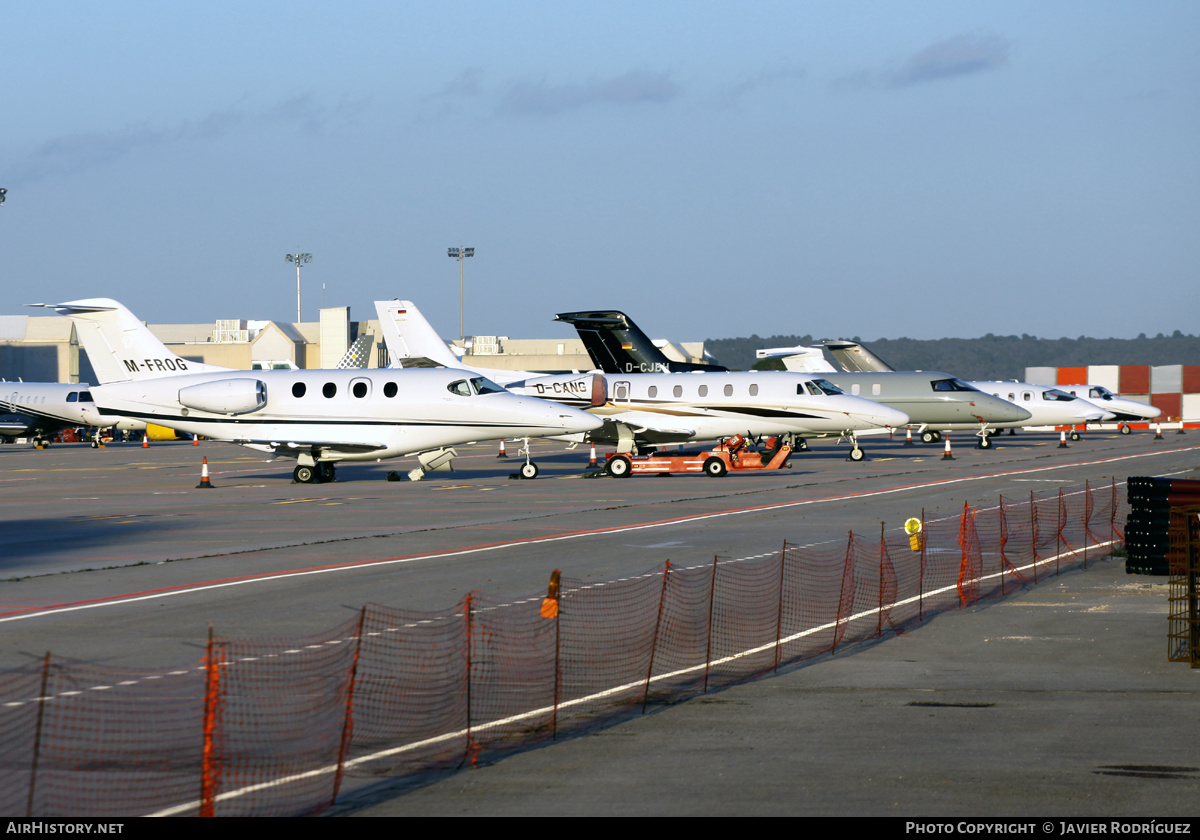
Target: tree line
x,y
989,357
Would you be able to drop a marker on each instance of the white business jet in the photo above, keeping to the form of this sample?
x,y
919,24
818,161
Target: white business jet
x,y
318,417
652,409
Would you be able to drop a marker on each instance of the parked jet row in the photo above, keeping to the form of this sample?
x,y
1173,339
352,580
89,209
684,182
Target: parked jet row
x,y
318,417
652,409
934,401
1050,405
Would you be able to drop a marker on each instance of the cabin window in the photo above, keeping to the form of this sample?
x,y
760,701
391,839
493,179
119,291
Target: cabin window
x,y
729,390
390,390
329,389
652,391
754,390
460,387
483,385
854,389
298,390
1026,396
359,388
703,390
950,385
875,389
678,391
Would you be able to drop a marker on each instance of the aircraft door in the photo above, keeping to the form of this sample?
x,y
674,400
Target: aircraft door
x,y
621,393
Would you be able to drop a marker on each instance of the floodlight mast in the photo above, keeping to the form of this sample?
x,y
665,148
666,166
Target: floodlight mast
x,y
298,259
460,254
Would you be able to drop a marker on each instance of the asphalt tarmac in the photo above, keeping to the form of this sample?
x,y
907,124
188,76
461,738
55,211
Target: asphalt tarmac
x,y
1058,700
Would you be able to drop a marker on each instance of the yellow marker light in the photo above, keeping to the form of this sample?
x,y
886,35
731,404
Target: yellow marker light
x,y
912,527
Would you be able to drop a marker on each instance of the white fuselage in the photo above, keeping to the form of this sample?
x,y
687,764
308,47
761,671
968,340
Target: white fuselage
x,y
1049,406
720,404
340,415
1123,409
35,408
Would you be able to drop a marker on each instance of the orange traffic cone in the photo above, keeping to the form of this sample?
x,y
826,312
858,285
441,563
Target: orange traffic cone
x,y
947,455
1062,440
502,453
145,440
204,484
195,440
592,460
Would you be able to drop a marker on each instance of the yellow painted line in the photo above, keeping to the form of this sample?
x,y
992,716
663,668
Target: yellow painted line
x,y
301,501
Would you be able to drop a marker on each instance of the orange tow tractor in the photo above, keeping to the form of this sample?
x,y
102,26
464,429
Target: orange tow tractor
x,y
731,455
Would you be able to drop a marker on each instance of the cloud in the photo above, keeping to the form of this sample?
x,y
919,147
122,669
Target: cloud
x,y
466,84
767,77
82,151
963,55
541,99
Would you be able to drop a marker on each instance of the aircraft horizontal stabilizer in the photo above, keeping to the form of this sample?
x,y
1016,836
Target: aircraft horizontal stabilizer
x,y
417,362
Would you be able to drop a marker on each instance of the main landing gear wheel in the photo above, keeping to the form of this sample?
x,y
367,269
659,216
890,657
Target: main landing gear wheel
x,y
304,475
529,470
1125,430
929,436
857,454
715,467
620,466
1075,436
325,472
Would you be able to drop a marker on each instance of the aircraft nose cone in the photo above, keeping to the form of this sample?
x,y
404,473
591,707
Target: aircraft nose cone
x,y
1006,412
569,420
892,417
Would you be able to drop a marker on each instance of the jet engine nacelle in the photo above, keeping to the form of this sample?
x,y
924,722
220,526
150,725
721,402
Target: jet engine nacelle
x,y
589,389
225,396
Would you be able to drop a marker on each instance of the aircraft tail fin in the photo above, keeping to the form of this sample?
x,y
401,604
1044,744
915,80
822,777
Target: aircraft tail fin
x,y
617,345
855,358
120,347
359,353
409,336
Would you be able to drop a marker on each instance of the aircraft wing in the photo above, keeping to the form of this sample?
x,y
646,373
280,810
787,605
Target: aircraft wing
x,y
292,447
645,426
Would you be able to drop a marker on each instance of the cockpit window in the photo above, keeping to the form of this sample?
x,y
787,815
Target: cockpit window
x,y
1055,395
460,387
85,396
827,386
483,385
950,385
1100,394
73,396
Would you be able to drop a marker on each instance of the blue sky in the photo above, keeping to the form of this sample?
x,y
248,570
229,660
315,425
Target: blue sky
x,y
714,169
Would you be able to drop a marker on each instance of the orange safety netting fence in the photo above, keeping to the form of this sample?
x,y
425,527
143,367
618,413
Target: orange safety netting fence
x,y
273,726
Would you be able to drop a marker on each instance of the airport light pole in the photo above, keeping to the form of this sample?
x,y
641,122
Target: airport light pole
x,y
298,259
460,254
